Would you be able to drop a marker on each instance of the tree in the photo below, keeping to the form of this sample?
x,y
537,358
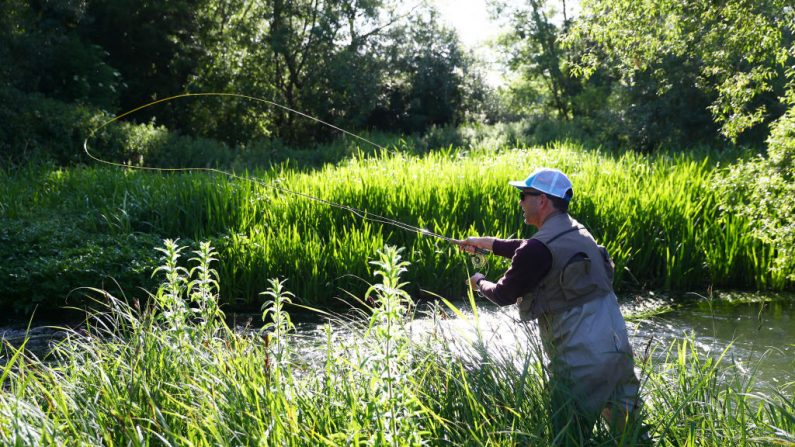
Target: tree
x,y
41,51
323,55
735,52
429,79
532,47
330,59
153,44
317,57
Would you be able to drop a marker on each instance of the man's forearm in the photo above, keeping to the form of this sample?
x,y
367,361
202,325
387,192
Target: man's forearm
x,y
490,290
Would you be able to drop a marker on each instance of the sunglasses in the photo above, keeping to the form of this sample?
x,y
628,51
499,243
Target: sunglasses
x,y
523,194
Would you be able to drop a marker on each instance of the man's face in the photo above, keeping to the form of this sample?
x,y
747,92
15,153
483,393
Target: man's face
x,y
528,201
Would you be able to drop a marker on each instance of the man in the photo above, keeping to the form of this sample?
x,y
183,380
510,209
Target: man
x,y
563,279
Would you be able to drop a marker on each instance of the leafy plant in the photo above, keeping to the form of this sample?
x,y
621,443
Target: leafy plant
x,y
763,189
278,323
204,287
169,296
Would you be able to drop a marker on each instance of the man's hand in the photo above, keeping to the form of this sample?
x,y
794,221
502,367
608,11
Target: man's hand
x,y
473,281
471,243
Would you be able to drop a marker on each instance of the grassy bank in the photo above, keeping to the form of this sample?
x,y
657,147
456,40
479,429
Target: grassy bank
x,y
166,375
658,216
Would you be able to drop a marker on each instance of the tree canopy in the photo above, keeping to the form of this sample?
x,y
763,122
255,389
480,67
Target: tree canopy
x,y
655,73
358,64
644,74
735,52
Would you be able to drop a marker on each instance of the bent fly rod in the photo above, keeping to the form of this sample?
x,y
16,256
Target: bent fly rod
x,y
478,257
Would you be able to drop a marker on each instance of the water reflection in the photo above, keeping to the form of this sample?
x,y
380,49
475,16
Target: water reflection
x,y
759,338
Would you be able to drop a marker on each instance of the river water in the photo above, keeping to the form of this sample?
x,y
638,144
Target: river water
x,y
759,338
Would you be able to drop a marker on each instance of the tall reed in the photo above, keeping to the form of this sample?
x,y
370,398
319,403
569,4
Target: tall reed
x,y
132,377
656,214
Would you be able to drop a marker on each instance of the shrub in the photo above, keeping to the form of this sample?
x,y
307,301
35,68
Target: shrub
x,y
32,124
763,189
44,261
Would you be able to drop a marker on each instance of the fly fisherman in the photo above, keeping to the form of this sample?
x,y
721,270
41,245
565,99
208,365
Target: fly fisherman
x,y
563,279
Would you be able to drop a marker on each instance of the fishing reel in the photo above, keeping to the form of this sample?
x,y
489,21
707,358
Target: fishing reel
x,y
479,259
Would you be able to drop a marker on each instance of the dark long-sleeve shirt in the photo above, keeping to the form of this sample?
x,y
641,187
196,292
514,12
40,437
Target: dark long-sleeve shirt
x,y
530,262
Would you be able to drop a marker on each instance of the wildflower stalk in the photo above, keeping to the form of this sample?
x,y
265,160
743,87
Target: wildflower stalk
x,y
278,323
394,396
204,288
169,295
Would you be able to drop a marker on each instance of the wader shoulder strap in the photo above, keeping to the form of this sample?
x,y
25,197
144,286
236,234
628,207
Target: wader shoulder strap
x,y
564,232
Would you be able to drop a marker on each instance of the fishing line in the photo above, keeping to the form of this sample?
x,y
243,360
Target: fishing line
x,y
478,258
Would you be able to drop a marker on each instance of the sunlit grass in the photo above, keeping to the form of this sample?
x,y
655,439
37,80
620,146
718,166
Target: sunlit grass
x,y
656,215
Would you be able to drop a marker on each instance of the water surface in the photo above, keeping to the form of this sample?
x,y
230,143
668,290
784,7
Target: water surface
x,y
759,338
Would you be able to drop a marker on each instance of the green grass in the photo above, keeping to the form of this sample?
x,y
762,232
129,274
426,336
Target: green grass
x,y
160,377
657,215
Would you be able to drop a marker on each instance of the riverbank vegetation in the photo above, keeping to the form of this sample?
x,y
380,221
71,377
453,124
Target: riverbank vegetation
x,y
663,217
174,373
674,119
679,141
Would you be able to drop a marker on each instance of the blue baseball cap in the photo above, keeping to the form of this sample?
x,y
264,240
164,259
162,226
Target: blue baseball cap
x,y
549,181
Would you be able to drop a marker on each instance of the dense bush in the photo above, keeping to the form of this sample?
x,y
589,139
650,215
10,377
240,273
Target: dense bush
x,y
46,260
762,188
32,125
35,127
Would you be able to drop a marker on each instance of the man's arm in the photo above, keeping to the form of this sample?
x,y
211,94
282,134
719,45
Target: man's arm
x,y
531,261
500,247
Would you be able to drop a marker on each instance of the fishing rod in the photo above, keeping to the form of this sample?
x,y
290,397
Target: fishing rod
x,y
478,255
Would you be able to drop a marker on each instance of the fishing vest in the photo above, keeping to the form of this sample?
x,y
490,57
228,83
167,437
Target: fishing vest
x,y
581,269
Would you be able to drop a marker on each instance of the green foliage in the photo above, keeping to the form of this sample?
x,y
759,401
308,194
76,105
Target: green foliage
x,y
34,126
534,52
45,260
671,56
277,319
431,78
762,188
204,287
704,400
154,45
186,301
660,217
354,65
169,296
42,51
127,377
387,364
651,114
